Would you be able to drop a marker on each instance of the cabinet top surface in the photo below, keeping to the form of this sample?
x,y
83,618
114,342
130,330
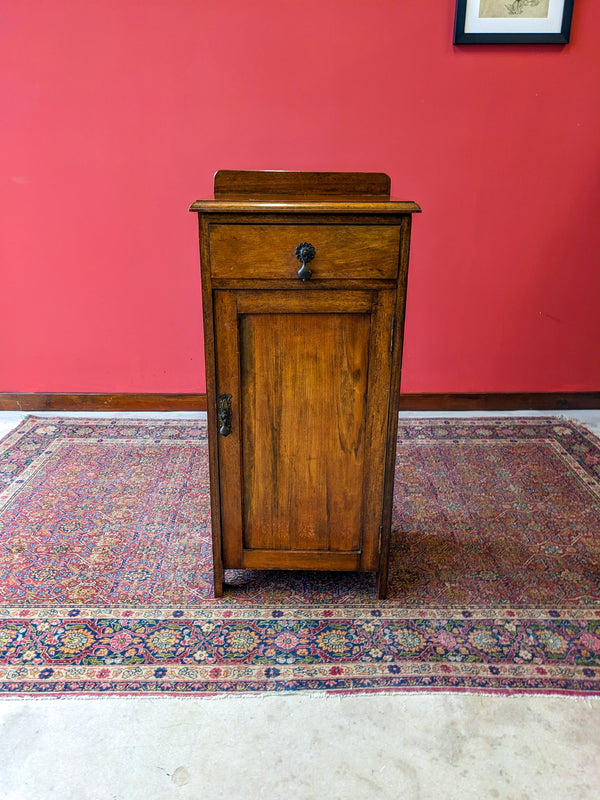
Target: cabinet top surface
x,y
325,206
273,191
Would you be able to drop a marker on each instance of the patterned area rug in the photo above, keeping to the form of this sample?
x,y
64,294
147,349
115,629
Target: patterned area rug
x,y
105,569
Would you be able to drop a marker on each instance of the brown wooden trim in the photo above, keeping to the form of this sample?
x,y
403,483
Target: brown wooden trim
x,y
259,184
300,559
508,401
101,402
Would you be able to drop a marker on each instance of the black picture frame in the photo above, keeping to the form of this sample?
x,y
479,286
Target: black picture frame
x,y
508,37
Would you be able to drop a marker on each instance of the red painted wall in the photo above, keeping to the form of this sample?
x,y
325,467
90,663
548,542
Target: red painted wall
x,y
116,113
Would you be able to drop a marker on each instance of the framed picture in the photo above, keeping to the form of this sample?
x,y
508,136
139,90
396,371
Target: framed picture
x,y
513,21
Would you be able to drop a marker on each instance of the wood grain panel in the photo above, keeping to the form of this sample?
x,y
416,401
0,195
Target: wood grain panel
x,y
380,358
316,559
228,382
213,450
254,184
304,383
300,302
266,252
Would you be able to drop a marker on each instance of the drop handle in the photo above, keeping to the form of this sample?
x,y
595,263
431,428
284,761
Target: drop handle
x,y
224,413
305,252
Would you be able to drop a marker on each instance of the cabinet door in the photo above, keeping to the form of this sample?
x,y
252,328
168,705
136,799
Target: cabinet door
x,y
301,473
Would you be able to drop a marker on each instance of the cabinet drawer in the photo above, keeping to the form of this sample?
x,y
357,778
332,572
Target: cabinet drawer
x,y
268,251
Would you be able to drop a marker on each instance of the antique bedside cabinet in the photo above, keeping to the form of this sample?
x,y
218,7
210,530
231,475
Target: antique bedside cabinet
x,y
304,289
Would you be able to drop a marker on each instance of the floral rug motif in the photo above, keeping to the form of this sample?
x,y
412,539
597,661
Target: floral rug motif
x,y
106,574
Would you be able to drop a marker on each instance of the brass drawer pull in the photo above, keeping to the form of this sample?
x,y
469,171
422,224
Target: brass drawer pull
x,y
305,252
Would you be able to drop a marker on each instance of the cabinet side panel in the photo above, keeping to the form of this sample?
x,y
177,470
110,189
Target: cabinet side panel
x,y
304,386
390,470
379,398
209,353
260,184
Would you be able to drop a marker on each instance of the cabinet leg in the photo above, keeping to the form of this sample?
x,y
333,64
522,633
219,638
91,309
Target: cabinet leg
x,y
382,580
218,581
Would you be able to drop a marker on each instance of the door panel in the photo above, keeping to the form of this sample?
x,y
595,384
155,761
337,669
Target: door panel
x,y
303,381
309,392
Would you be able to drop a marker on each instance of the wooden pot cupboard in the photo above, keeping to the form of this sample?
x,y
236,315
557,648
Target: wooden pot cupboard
x,y
303,289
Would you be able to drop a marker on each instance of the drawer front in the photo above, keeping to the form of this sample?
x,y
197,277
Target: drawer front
x,y
268,251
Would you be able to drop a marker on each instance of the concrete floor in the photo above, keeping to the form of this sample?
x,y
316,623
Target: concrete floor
x,y
414,746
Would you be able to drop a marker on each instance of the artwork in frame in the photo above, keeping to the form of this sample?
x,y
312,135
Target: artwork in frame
x,y
513,21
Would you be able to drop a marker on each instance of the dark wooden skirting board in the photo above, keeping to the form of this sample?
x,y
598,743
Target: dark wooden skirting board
x,y
101,402
510,401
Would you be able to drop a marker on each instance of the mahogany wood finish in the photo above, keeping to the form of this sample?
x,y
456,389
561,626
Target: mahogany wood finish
x,y
267,251
304,367
258,185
